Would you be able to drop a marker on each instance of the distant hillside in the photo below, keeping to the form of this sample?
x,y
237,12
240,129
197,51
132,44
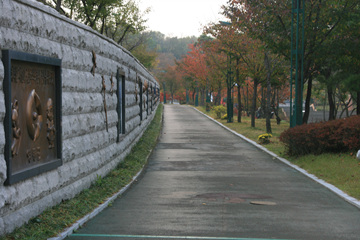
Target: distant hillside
x,y
176,46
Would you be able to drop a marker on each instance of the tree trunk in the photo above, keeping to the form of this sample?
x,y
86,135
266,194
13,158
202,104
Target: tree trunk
x,y
238,89
245,102
324,108
268,103
358,104
331,104
202,99
275,105
263,102
253,108
218,97
193,96
58,5
239,104
307,101
268,93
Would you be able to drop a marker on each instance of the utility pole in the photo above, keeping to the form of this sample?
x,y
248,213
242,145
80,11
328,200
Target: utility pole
x,y
297,60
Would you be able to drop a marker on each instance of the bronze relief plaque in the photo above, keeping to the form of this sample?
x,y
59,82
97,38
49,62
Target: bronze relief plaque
x,y
32,87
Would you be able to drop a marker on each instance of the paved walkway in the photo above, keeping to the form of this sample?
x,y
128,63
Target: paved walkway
x,y
204,182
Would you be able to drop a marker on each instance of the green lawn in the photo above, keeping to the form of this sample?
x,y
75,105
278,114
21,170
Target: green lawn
x,y
341,170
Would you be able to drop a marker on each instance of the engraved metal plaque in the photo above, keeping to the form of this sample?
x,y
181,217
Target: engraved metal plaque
x,y
32,87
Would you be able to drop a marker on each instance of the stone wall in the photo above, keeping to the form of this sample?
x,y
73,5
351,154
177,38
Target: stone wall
x,y
91,146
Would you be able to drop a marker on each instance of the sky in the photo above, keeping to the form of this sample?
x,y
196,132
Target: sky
x,y
181,18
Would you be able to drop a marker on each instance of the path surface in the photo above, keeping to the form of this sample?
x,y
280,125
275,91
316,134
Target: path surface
x,y
203,182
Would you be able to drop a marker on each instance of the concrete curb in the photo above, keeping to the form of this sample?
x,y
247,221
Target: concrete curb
x,y
100,208
329,186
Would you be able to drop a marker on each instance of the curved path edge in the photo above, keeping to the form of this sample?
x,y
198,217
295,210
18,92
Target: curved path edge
x,y
97,210
329,186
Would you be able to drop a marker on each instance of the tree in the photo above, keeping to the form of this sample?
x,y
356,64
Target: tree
x,y
194,66
216,60
124,22
147,58
238,44
322,20
117,19
171,77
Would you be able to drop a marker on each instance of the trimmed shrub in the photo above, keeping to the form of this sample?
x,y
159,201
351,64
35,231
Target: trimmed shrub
x,y
340,135
219,111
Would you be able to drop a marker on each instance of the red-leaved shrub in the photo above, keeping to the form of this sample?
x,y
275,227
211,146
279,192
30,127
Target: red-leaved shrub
x,y
340,135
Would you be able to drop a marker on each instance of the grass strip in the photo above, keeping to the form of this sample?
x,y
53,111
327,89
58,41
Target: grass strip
x,y
54,220
339,169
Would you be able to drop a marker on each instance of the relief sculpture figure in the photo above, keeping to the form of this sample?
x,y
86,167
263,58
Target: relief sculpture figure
x,y
15,128
34,116
50,124
145,86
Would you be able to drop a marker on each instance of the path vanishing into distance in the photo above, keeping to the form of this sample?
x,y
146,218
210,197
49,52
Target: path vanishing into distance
x,y
204,182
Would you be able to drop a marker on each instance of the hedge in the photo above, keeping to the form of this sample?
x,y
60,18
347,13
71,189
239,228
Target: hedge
x,y
342,135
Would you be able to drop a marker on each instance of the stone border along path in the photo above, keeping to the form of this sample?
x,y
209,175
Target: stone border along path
x,y
99,209
68,231
329,186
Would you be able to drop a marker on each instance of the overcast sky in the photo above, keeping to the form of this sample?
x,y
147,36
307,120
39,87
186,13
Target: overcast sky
x,y
181,18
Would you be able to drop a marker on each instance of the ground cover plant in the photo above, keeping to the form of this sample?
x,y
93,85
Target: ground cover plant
x,y
340,169
54,220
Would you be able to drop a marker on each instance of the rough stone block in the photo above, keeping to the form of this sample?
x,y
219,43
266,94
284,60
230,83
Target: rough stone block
x,y
88,148
2,74
24,191
2,227
3,169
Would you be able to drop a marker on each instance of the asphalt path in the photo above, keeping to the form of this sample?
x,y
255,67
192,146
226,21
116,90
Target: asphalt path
x,y
203,182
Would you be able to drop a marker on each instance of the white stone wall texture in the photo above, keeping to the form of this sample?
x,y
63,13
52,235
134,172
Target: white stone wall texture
x,y
88,149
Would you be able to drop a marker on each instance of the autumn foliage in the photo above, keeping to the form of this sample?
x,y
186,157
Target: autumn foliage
x,y
335,136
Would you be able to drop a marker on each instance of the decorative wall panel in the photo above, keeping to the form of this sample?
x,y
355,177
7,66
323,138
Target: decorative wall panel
x,y
32,87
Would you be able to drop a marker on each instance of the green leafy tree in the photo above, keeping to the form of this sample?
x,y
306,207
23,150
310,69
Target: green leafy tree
x,y
239,45
125,23
323,19
147,58
118,19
